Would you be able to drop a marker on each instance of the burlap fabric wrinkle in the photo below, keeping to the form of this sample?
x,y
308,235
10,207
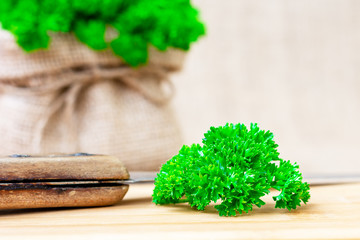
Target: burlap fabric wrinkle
x,y
73,99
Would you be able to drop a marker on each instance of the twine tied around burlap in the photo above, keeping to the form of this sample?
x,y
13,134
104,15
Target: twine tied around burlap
x,y
69,89
70,98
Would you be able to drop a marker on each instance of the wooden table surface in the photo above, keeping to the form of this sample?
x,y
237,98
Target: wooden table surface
x,y
332,213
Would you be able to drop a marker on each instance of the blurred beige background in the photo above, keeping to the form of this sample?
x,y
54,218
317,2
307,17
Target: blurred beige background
x,y
291,66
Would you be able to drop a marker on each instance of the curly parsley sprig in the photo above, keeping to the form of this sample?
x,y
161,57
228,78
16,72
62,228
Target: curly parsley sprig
x,y
140,23
235,166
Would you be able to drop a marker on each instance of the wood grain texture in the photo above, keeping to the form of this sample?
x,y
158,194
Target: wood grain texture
x,y
68,196
28,192
332,213
62,167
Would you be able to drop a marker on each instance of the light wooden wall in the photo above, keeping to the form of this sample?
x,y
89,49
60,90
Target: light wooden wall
x,y
292,66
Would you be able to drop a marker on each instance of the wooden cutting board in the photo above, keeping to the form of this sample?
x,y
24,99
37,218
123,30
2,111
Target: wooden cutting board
x,y
332,213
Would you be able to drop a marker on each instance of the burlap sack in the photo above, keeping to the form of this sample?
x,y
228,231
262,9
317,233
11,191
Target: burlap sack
x,y
73,99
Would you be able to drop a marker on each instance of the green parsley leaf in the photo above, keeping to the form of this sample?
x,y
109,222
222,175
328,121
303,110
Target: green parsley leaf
x,y
235,166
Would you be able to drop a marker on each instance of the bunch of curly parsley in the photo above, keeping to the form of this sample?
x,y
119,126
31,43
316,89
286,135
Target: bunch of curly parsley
x,y
235,166
140,23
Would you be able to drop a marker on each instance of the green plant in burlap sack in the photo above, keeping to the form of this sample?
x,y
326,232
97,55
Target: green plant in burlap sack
x,y
139,23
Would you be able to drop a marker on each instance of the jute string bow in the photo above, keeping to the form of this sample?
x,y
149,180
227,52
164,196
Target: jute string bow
x,y
69,84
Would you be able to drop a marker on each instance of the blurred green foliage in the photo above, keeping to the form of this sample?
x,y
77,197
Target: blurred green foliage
x,y
139,23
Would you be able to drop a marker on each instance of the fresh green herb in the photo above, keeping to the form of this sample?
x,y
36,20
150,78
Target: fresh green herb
x,y
235,166
161,23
